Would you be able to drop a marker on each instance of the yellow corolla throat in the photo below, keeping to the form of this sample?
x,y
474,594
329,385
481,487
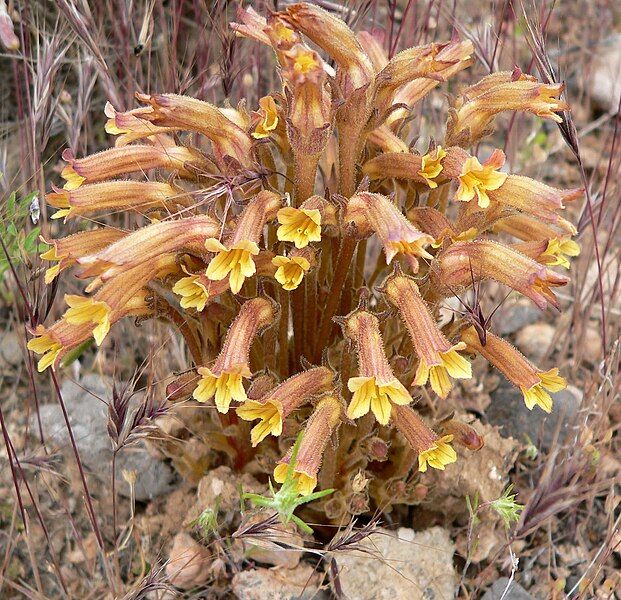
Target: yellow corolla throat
x,y
438,455
193,292
290,271
452,364
269,415
559,249
88,310
477,179
305,484
47,346
299,225
236,262
431,166
550,381
368,394
269,118
226,387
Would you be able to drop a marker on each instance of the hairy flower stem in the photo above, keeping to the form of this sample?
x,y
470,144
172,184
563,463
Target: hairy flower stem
x,y
361,256
168,312
298,312
305,172
283,334
346,253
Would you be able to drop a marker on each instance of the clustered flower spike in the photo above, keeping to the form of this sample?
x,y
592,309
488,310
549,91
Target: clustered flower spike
x,y
259,227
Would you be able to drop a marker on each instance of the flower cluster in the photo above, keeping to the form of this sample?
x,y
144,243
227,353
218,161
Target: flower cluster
x,y
313,310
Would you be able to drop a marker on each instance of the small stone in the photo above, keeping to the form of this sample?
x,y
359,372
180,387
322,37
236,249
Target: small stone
x,y
507,590
11,349
188,562
591,345
301,583
605,81
535,340
509,411
281,547
412,565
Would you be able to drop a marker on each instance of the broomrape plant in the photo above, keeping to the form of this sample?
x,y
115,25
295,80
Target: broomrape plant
x,y
303,250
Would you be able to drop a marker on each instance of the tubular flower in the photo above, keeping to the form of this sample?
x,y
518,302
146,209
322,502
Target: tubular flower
x,y
407,166
332,34
444,61
433,451
277,404
309,113
129,126
439,359
319,428
485,259
536,199
473,112
224,379
268,118
376,389
88,310
431,166
92,317
376,213
477,179
114,195
533,384
164,238
67,250
416,71
292,269
188,114
234,258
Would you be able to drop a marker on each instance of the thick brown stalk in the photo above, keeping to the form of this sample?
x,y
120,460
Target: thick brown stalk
x,y
346,253
305,171
283,334
297,313
311,311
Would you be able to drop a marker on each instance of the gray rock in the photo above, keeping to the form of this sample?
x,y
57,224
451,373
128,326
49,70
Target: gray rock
x,y
407,566
87,408
301,583
514,317
509,411
513,591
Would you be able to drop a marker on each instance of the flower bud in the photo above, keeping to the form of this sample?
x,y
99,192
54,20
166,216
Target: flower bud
x,y
376,213
462,433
